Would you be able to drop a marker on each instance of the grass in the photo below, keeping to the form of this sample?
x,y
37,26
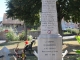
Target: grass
x,y
27,58
12,44
66,33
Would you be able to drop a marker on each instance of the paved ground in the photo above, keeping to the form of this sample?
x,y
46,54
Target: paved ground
x,y
2,41
68,37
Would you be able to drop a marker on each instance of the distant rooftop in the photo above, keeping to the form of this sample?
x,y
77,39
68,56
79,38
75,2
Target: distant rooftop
x,y
10,20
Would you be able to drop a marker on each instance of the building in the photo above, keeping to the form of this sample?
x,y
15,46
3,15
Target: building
x,y
66,25
14,23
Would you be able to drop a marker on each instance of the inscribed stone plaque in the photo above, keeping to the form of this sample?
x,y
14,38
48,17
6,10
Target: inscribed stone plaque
x,y
48,6
49,47
49,23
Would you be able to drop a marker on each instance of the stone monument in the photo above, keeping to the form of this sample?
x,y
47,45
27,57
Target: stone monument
x,y
49,41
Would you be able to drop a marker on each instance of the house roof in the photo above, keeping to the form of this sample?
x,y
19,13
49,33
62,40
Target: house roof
x,y
10,20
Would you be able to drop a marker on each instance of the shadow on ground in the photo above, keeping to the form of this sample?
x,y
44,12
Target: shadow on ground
x,y
8,43
72,39
29,56
70,47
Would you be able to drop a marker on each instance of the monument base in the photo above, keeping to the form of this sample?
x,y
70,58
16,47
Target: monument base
x,y
49,47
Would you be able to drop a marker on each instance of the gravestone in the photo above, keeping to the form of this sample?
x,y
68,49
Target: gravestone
x,y
5,53
49,41
1,54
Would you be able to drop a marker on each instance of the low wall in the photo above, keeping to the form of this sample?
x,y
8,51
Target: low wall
x,y
2,36
34,33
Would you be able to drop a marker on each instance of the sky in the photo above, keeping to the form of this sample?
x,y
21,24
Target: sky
x,y
2,8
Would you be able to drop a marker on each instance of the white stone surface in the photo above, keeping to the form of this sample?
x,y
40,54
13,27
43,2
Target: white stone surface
x,y
64,54
48,5
68,37
2,41
5,52
49,42
49,47
35,53
49,23
1,54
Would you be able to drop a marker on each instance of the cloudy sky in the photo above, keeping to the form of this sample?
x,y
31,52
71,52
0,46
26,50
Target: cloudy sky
x,y
2,8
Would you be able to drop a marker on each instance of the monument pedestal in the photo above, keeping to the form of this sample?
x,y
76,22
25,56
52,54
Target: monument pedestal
x,y
49,47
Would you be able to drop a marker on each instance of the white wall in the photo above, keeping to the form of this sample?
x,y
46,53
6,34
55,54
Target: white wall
x,y
66,25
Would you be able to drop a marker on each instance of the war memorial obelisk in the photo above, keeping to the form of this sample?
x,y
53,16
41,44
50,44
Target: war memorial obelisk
x,y
49,41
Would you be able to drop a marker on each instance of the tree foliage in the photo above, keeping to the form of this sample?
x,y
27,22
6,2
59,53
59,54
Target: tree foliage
x,y
28,10
69,9
25,10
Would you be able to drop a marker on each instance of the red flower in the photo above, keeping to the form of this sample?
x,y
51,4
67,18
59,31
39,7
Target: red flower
x,y
6,31
26,42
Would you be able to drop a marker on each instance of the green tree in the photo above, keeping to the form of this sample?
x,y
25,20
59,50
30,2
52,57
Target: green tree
x,y
24,10
69,9
28,10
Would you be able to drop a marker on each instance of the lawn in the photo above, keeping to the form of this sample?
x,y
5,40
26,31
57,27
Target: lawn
x,y
27,58
12,44
67,44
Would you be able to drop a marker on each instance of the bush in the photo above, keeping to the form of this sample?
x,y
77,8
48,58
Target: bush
x,y
78,58
69,30
22,35
66,33
11,35
30,37
16,37
73,31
